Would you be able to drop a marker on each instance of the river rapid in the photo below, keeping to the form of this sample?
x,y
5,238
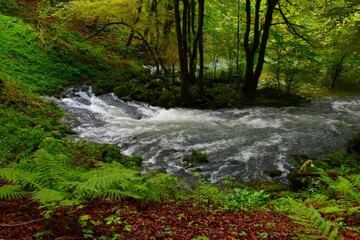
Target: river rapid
x,y
240,143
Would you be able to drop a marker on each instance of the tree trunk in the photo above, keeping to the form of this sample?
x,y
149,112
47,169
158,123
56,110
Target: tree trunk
x,y
257,48
190,42
338,70
201,47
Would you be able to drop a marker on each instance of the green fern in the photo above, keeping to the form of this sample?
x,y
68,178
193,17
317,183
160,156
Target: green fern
x,y
47,179
346,187
110,181
27,180
46,196
314,225
355,179
51,169
11,192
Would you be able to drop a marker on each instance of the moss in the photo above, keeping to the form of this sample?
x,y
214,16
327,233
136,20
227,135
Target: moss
x,y
8,6
195,157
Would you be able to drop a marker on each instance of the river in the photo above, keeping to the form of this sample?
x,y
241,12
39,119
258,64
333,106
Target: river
x,y
240,143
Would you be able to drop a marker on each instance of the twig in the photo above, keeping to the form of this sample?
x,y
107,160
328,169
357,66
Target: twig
x,y
290,26
64,237
21,223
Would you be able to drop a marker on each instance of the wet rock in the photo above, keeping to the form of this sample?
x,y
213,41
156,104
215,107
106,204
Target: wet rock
x,y
273,172
195,157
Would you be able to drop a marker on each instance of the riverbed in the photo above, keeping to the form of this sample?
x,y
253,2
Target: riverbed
x,y
239,143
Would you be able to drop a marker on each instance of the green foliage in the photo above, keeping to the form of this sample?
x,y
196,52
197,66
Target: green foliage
x,y
314,225
201,238
199,156
111,181
49,179
11,192
346,188
7,6
241,198
338,160
165,187
26,62
206,194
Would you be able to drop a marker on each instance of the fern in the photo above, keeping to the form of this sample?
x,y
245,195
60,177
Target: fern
x,y
11,191
48,180
51,169
110,181
22,178
46,196
116,194
314,225
355,179
346,187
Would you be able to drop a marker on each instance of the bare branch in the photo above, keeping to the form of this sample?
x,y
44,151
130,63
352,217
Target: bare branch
x,y
21,223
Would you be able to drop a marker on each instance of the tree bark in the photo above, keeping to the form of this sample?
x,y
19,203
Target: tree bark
x,y
338,70
257,48
190,43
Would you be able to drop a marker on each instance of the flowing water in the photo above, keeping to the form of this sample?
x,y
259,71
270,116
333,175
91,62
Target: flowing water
x,y
240,143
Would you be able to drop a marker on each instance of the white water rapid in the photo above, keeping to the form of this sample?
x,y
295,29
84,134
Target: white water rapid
x,y
240,143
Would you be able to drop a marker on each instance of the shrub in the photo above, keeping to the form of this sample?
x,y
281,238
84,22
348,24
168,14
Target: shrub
x,y
242,198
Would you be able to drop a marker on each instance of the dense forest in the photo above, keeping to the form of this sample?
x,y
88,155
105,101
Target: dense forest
x,y
182,54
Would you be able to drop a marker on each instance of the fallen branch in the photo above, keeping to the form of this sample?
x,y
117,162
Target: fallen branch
x,y
314,174
21,223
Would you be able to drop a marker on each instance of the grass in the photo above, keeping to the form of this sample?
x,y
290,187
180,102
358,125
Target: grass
x,y
26,63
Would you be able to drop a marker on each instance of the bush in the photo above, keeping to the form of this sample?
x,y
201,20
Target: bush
x,y
242,198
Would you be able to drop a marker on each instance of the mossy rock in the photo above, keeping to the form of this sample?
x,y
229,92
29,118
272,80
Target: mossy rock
x,y
195,157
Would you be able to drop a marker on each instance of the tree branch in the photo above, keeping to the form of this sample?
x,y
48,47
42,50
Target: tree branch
x,y
21,223
290,26
134,30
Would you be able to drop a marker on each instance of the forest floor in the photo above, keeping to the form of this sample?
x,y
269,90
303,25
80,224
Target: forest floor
x,y
22,219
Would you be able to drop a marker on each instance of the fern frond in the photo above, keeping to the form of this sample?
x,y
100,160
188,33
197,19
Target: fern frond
x,y
46,196
315,226
22,178
114,194
51,169
109,181
347,187
11,192
354,210
331,209
355,179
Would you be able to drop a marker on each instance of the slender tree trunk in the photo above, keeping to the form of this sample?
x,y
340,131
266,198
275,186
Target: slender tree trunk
x,y
257,47
136,21
338,70
238,37
190,43
181,35
201,46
